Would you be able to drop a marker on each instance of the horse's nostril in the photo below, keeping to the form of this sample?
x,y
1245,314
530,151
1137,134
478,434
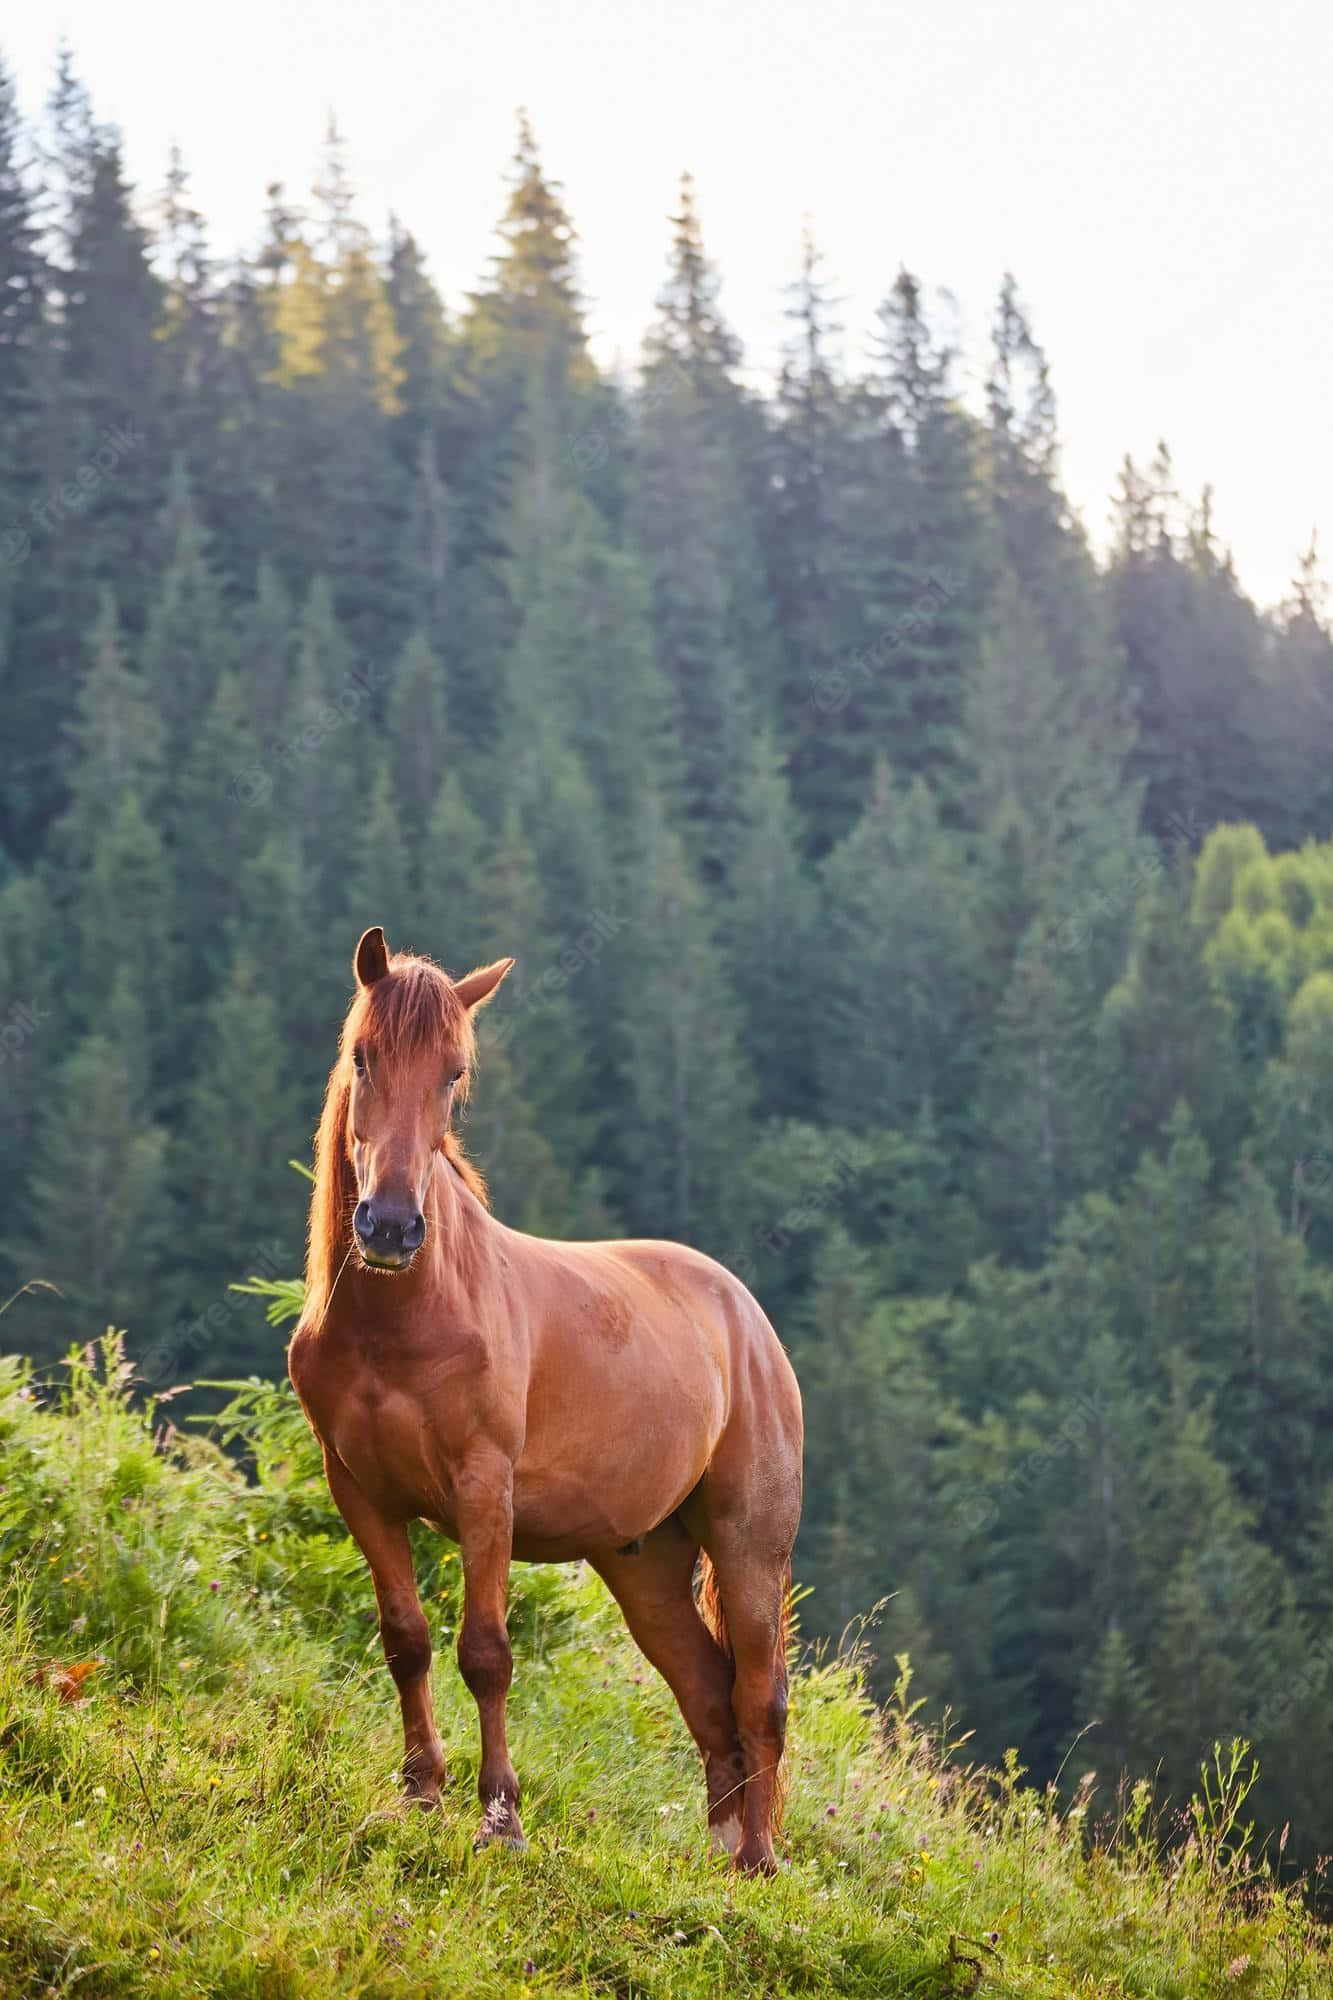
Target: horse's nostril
x,y
414,1234
363,1221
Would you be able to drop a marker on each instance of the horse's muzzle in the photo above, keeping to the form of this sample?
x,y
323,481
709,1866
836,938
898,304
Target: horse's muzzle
x,y
388,1240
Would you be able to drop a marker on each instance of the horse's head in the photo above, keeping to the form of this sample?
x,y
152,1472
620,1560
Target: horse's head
x,y
407,1046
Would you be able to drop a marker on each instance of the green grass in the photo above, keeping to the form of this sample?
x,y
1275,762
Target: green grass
x,y
218,1816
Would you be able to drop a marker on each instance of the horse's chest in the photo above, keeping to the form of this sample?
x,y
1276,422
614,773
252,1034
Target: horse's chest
x,y
401,1450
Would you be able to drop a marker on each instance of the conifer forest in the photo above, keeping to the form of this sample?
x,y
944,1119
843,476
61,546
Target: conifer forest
x,y
928,916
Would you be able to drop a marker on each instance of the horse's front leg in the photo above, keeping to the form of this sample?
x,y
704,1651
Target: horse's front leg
x,y
484,1498
404,1633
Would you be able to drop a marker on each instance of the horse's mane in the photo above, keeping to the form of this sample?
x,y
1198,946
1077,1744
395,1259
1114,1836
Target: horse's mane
x,y
413,1007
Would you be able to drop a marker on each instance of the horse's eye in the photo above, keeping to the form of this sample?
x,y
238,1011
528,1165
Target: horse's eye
x,y
359,1061
457,1076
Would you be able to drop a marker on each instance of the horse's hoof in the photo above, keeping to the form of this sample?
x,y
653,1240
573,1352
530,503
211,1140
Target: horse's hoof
x,y
754,1864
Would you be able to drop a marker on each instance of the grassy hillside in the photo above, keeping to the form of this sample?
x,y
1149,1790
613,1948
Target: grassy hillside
x,y
215,1812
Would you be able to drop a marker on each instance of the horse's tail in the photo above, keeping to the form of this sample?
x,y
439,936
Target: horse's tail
x,y
711,1608
714,1614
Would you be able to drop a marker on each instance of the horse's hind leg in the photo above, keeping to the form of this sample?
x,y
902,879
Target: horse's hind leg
x,y
753,1588
655,1591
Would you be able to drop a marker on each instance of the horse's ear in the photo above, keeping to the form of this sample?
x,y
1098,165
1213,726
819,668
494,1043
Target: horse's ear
x,y
477,988
372,957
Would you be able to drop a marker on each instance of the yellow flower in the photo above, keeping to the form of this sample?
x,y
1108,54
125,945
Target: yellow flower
x,y
215,1781
153,1951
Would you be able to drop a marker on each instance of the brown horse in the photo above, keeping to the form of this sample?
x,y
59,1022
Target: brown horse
x,y
627,1403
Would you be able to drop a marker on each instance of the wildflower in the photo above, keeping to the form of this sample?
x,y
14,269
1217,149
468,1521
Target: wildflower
x,y
153,1951
99,1791
529,1967
215,1585
830,1812
1239,1965
215,1781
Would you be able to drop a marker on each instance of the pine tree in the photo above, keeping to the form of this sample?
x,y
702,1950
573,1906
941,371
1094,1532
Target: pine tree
x,y
23,347
1114,1695
121,922
1165,1032
769,934
920,536
242,1207
101,1221
185,646
424,348
378,885
692,520
31,1044
586,625
87,442
1298,713
1193,646
818,625
218,823
417,727
684,1072
264,651
190,332
895,992
116,746
533,308
452,903
311,785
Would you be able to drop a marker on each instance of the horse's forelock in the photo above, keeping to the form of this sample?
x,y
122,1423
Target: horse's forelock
x,y
414,1007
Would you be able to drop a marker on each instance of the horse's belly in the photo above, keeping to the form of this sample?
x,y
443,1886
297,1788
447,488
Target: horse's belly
x,y
590,1487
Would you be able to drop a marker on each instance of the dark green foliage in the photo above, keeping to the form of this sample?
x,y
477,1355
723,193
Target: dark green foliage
x,y
932,923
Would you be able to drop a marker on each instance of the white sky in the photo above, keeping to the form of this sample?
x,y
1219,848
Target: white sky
x,y
1158,176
